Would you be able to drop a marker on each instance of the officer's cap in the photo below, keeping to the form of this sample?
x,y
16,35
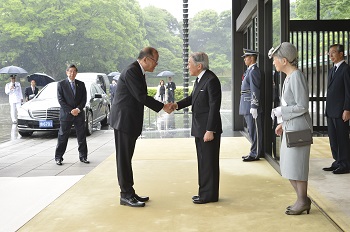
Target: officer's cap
x,y
249,52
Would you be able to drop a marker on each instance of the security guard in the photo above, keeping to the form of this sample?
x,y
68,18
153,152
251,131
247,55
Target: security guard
x,y
250,105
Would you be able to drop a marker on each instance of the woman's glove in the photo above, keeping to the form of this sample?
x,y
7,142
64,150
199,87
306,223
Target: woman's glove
x,y
276,112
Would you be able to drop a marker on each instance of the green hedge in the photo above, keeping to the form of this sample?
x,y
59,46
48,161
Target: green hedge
x,y
179,93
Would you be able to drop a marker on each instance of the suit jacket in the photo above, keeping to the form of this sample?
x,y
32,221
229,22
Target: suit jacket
x,y
69,102
206,102
129,101
171,86
338,92
28,91
250,89
296,94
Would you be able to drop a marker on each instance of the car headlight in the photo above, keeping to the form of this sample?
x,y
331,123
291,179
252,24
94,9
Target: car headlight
x,y
23,113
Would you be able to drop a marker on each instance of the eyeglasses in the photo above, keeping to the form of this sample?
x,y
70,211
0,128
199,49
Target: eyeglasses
x,y
332,53
153,60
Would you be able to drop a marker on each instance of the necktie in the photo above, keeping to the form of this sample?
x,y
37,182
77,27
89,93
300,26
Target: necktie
x,y
33,90
195,84
334,69
73,87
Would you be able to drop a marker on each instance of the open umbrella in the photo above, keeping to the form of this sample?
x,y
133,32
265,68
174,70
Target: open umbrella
x,y
41,79
166,74
113,74
12,70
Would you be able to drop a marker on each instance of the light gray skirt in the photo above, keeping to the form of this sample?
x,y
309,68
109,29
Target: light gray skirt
x,y
294,161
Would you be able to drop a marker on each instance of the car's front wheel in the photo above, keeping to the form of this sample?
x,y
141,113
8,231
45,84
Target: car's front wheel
x,y
89,123
25,134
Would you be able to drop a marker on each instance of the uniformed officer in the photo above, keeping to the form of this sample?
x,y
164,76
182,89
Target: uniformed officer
x,y
14,90
250,104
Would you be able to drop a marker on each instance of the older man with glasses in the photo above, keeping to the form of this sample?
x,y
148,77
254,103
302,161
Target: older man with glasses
x,y
338,110
126,118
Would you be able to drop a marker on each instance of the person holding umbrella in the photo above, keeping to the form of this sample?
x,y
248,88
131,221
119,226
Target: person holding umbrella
x,y
31,91
14,90
171,86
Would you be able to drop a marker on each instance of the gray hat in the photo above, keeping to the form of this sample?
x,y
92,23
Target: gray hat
x,y
249,52
285,50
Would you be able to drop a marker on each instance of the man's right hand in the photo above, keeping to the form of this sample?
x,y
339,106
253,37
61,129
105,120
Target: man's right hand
x,y
168,108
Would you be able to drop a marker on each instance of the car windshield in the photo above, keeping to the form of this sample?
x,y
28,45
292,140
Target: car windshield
x,y
49,91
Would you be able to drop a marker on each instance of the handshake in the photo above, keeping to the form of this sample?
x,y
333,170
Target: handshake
x,y
170,107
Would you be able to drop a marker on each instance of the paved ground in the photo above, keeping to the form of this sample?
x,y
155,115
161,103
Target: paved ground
x,y
30,180
253,196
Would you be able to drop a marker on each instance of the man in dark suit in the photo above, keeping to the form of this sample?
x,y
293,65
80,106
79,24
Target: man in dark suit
x,y
250,104
206,126
126,118
31,90
71,94
171,86
338,110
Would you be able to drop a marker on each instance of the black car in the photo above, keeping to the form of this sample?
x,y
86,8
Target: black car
x,y
42,112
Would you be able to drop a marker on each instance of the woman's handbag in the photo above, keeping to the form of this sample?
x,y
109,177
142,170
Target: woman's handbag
x,y
299,138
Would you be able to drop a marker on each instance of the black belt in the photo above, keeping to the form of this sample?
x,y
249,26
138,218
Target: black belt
x,y
245,91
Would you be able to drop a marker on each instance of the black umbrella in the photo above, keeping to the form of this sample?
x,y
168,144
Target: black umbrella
x,y
41,79
12,70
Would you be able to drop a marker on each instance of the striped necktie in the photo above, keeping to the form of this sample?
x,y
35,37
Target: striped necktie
x,y
73,87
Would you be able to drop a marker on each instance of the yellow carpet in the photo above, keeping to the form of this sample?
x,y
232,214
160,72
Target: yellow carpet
x,y
253,196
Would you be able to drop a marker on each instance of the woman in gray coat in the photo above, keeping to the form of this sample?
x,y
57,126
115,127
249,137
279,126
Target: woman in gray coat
x,y
293,114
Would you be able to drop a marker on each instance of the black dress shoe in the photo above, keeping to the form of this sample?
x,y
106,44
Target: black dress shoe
x,y
199,201
84,160
59,162
340,171
132,201
142,198
195,197
250,158
329,169
245,156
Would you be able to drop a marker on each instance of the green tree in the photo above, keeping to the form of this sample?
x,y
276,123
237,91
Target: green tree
x,y
47,34
306,9
204,30
211,33
163,32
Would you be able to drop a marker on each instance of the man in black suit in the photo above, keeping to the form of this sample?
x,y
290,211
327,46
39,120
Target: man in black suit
x,y
31,90
206,126
171,86
338,110
71,94
126,118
